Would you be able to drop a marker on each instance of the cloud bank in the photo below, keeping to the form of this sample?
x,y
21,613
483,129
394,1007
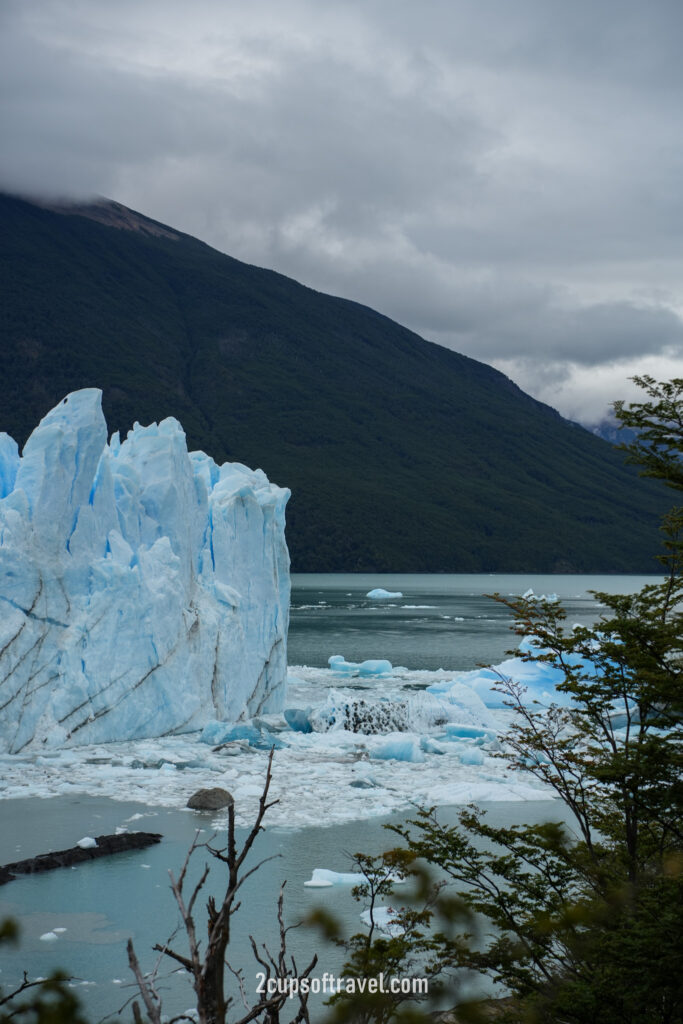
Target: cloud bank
x,y
502,178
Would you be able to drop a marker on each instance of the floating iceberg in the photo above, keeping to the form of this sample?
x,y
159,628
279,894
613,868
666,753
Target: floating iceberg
x,y
371,667
379,593
144,589
322,878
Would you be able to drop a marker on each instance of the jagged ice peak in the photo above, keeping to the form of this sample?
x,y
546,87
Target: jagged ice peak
x,y
144,590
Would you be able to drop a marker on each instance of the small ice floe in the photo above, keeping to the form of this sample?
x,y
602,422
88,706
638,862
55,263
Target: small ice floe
x,y
59,931
87,843
384,920
378,593
322,878
49,937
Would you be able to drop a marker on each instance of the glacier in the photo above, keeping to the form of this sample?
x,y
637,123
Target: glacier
x,y
144,589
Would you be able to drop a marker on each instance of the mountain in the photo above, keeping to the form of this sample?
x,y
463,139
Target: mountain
x,y
609,430
401,454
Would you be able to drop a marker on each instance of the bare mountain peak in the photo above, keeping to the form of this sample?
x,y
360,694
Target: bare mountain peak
x,y
108,212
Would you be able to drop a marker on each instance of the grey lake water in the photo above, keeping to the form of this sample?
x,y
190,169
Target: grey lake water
x,y
439,622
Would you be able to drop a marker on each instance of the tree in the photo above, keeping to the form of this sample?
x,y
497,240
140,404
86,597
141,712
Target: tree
x,y
208,966
49,1001
586,925
398,968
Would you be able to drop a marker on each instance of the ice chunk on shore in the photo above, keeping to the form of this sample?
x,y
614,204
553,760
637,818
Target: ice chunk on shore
x,y
144,590
87,843
378,593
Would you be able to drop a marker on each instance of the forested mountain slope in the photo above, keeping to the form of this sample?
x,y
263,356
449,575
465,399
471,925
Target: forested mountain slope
x,y
401,455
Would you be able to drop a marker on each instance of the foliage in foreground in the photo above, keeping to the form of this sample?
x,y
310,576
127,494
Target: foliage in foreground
x,y
584,923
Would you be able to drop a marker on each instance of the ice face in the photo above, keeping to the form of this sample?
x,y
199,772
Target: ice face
x,y
144,590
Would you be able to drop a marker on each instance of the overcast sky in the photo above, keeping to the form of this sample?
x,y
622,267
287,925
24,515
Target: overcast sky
x,y
503,176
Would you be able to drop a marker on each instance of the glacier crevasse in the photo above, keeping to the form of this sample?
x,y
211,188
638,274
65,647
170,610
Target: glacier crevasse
x,y
144,590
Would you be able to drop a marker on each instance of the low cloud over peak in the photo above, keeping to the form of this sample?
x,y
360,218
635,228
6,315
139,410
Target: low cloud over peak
x,y
504,179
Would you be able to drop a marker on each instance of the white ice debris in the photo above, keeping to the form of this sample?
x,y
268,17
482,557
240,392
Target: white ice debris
x,y
87,843
48,937
144,590
379,593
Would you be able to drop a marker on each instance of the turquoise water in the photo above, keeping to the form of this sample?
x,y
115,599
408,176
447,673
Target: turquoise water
x,y
102,903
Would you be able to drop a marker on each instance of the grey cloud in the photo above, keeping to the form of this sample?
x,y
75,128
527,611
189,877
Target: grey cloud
x,y
504,179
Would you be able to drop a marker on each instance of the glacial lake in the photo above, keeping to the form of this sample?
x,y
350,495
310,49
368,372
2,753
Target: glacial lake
x,y
440,622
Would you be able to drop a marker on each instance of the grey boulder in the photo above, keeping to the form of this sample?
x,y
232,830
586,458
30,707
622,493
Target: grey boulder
x,y
210,799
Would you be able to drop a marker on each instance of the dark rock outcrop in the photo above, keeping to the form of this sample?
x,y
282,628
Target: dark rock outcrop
x,y
106,845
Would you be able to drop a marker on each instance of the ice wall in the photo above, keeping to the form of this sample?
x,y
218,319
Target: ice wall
x,y
144,590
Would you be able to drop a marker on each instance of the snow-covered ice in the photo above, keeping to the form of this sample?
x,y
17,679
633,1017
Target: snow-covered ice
x,y
379,592
432,748
144,590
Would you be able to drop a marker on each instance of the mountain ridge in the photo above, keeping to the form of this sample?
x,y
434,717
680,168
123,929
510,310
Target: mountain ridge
x,y
402,455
